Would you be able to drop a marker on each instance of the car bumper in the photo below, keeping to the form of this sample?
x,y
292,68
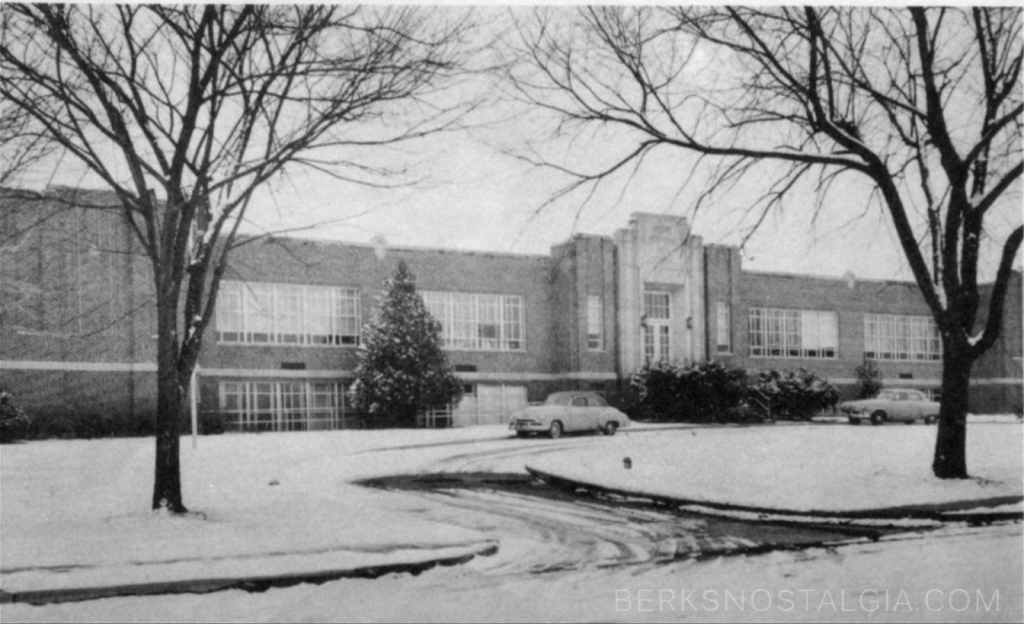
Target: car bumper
x,y
528,425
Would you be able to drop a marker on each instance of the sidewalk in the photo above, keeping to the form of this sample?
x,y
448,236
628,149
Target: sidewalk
x,y
71,585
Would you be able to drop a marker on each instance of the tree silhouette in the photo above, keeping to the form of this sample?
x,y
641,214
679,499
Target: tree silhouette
x,y
923,105
185,111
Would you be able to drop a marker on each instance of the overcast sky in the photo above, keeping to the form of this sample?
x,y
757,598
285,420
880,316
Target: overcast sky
x,y
476,197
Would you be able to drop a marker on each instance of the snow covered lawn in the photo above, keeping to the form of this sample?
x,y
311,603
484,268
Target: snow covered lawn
x,y
801,468
75,512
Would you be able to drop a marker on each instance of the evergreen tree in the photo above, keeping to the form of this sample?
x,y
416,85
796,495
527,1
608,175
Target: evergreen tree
x,y
402,370
869,379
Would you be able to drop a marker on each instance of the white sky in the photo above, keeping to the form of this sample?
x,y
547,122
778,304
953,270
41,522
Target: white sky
x,y
478,198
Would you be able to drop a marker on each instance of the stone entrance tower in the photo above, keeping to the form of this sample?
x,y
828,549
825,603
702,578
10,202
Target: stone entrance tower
x,y
661,292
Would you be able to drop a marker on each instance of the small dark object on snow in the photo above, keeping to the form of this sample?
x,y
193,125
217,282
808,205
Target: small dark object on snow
x,y
627,463
274,482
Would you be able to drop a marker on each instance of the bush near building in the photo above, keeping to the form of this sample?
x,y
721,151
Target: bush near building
x,y
14,423
91,424
798,394
702,392
869,379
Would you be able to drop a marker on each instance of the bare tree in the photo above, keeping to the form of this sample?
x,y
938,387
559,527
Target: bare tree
x,y
200,105
922,104
21,145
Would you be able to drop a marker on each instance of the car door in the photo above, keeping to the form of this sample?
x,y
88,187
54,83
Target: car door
x,y
915,405
576,419
901,407
599,412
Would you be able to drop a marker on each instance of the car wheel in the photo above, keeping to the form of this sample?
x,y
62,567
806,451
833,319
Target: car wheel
x,y
855,421
556,430
610,428
931,419
878,418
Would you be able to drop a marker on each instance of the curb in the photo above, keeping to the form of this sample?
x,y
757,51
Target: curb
x,y
938,512
253,584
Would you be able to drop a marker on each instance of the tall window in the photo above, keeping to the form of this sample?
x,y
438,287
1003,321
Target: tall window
x,y
287,314
476,322
723,321
901,338
594,323
657,326
793,333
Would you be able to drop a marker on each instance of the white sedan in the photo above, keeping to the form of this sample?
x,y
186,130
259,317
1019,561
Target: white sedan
x,y
565,412
892,404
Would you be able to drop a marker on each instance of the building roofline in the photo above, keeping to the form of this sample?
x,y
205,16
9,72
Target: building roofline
x,y
407,248
832,278
855,278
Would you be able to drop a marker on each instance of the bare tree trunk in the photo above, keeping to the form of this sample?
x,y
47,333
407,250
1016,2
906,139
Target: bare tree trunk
x,y
169,403
951,441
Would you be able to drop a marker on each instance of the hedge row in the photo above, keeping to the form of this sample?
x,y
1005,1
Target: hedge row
x,y
711,392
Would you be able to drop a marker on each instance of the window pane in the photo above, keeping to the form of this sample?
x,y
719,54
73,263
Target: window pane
x,y
513,323
656,305
723,330
318,315
259,308
594,322
288,308
229,312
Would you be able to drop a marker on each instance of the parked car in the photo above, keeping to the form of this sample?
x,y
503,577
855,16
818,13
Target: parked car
x,y
567,412
892,404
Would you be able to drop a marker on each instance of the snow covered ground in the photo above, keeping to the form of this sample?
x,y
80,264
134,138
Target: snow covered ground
x,y
801,468
275,503
73,513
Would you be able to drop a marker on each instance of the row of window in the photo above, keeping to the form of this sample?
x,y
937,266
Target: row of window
x,y
476,322
287,314
815,334
330,316
901,338
793,333
255,406
294,314
285,406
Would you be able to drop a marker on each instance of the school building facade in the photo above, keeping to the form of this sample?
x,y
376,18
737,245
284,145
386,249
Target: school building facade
x,y
77,323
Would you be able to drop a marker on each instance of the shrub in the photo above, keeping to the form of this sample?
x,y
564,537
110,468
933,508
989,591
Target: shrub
x,y
14,423
869,379
796,394
699,392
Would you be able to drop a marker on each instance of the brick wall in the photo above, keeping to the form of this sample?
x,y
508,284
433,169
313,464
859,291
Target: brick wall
x,y
77,321
851,300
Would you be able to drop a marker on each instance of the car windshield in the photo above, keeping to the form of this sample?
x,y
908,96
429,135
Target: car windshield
x,y
558,399
581,400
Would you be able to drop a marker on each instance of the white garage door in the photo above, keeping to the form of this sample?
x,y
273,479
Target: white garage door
x,y
491,405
